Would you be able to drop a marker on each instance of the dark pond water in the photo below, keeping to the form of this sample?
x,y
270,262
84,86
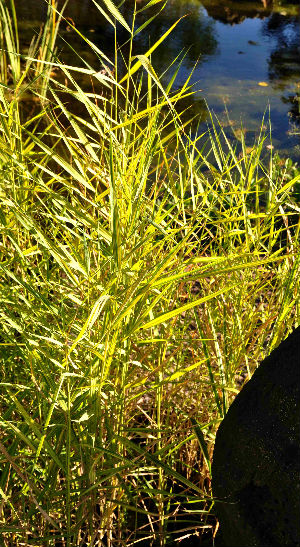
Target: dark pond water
x,y
247,55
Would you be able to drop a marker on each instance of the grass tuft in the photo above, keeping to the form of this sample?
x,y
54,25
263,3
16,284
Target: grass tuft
x,y
145,273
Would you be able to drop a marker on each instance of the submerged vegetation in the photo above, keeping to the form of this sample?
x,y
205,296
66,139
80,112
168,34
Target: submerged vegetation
x,y
145,273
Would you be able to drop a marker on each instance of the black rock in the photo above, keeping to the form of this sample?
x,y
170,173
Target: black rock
x,y
256,462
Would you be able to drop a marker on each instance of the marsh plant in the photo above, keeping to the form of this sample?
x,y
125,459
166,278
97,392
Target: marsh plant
x,y
145,272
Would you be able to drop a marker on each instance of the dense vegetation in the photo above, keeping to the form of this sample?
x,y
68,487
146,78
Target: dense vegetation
x,y
145,272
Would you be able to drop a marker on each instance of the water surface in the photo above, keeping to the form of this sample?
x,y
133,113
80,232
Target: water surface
x,y
247,56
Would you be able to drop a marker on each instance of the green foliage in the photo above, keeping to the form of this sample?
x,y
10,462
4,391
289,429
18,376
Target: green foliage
x,y
143,270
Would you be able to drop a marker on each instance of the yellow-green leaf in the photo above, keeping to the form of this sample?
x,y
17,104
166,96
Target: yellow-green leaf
x,y
138,64
113,10
166,316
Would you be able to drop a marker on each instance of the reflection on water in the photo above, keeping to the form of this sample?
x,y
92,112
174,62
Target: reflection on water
x,y
237,46
284,60
233,12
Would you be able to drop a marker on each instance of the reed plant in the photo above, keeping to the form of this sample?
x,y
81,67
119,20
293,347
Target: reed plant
x,y
145,273
25,73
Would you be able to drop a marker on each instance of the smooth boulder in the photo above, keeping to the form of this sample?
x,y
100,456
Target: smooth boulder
x,y
256,461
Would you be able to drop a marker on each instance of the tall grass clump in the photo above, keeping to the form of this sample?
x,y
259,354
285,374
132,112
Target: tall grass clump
x,y
145,272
